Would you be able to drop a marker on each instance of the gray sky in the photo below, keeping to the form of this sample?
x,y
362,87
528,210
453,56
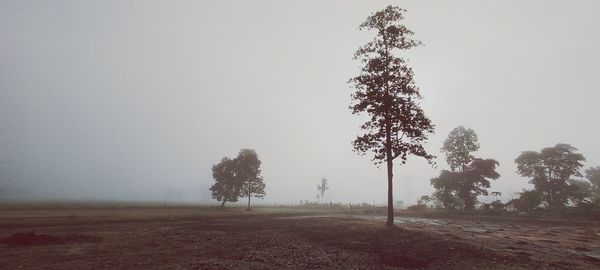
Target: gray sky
x,y
135,100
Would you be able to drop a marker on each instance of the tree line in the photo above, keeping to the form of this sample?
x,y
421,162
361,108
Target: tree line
x,y
552,171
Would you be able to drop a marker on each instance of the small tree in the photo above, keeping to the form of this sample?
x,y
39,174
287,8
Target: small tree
x,y
385,90
226,187
248,172
549,171
322,188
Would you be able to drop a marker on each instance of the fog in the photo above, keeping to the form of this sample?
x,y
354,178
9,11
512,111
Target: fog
x,y
136,100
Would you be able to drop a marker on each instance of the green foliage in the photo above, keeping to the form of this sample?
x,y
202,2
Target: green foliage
x,y
549,171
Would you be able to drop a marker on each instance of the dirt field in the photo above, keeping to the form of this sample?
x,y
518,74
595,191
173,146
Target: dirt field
x,y
268,238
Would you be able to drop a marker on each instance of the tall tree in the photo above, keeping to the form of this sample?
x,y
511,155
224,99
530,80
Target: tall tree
x,y
458,147
322,188
549,171
385,90
476,180
248,173
227,186
468,177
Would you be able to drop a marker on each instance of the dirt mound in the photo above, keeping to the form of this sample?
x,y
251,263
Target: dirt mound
x,y
31,238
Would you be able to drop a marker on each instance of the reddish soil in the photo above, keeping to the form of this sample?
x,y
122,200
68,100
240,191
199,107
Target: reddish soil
x,y
201,238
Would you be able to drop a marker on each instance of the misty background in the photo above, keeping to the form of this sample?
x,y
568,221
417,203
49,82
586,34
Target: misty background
x,y
136,100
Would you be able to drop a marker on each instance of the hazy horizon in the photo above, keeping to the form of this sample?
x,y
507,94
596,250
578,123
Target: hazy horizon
x,y
136,100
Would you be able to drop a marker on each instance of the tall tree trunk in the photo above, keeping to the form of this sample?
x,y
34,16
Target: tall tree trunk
x,y
390,165
223,203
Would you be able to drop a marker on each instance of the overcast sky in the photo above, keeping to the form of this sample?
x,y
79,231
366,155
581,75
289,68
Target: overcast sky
x,y
136,100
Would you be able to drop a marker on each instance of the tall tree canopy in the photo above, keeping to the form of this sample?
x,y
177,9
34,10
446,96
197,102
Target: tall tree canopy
x,y
458,147
385,90
549,171
227,186
248,168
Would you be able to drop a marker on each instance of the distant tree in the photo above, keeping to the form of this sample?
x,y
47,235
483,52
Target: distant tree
x,y
446,186
528,200
593,175
446,199
549,171
425,199
497,205
248,173
458,147
227,186
385,90
580,192
322,188
476,181
468,177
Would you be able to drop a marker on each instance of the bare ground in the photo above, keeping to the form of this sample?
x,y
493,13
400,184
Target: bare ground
x,y
202,238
